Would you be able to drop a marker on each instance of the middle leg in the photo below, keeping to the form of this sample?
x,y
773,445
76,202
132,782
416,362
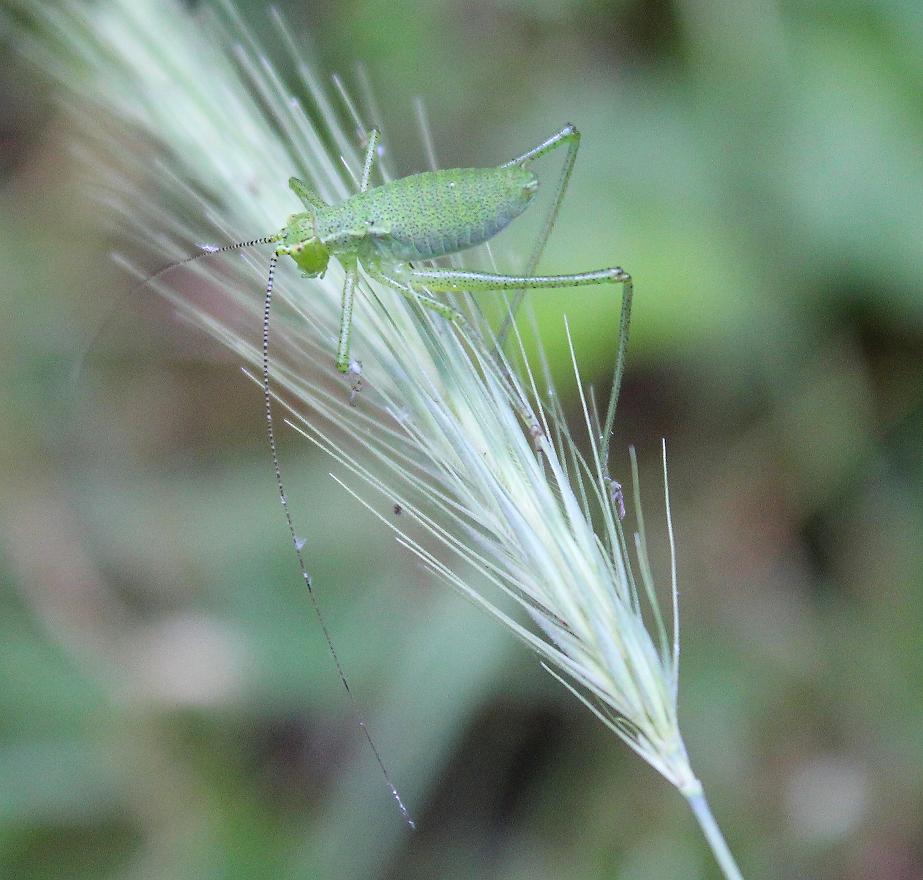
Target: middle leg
x,y
567,135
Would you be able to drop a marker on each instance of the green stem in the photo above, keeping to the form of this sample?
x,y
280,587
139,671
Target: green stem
x,y
696,798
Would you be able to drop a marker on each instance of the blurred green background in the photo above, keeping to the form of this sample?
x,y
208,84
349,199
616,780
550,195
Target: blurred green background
x,y
168,708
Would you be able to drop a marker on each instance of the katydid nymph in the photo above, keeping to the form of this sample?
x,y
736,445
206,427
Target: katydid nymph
x,y
385,230
422,217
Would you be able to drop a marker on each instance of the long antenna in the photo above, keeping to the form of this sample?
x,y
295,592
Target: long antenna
x,y
207,251
298,543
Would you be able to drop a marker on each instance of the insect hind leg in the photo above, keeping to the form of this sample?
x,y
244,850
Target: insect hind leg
x,y
568,135
571,137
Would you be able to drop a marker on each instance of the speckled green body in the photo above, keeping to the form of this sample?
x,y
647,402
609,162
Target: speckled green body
x,y
418,217
391,229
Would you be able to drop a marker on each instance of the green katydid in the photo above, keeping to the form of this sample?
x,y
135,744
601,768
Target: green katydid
x,y
422,217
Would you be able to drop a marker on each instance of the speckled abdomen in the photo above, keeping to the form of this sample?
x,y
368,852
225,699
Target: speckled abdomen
x,y
440,212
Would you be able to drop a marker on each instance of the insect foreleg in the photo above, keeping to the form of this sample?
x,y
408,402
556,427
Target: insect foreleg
x,y
346,320
567,135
